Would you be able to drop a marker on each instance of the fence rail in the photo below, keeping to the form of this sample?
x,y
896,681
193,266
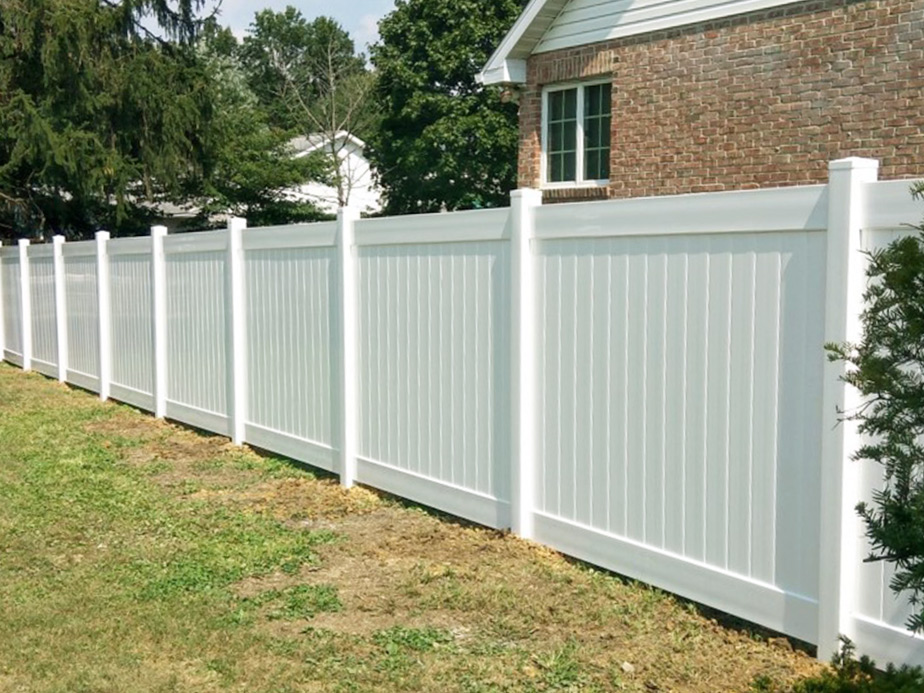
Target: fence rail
x,y
638,383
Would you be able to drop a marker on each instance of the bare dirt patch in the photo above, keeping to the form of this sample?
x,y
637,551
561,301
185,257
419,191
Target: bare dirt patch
x,y
517,616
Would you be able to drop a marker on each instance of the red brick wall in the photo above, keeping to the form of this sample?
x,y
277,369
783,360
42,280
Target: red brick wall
x,y
759,100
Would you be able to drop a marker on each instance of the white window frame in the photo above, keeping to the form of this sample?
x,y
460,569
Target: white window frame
x,y
579,182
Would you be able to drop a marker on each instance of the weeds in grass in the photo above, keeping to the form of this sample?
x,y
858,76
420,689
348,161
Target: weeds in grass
x,y
138,556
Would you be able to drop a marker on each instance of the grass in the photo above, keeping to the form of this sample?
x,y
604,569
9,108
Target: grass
x,y
136,555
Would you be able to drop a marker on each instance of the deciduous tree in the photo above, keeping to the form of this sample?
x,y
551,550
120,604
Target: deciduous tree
x,y
251,166
310,79
445,141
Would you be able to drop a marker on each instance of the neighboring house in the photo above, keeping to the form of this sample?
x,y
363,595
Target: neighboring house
x,y
624,98
352,184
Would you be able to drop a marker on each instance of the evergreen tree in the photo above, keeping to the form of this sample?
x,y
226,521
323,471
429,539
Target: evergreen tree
x,y
97,114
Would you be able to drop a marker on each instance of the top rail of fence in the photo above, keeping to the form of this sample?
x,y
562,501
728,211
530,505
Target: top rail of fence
x,y
199,242
469,226
801,208
82,249
317,235
43,250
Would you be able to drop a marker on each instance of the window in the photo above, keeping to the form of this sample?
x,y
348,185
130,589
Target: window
x,y
576,140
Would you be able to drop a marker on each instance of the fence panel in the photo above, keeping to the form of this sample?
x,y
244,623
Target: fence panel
x,y
12,304
44,325
132,321
291,317
197,330
678,397
434,362
82,310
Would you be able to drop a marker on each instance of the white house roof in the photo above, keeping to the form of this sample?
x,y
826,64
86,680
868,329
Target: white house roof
x,y
549,25
305,145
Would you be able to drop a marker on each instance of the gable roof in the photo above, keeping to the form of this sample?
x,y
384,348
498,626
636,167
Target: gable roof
x,y
305,145
548,25
508,64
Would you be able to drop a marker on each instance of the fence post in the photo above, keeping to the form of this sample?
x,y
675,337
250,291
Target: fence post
x,y
159,311
60,306
845,281
105,321
349,369
523,337
3,310
237,329
25,283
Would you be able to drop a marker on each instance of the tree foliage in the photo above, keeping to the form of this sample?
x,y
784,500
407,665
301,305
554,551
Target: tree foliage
x,y
96,113
445,141
310,80
250,162
888,369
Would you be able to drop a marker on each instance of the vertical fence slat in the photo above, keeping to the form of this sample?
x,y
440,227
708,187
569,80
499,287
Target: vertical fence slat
x,y
60,307
25,293
349,364
159,309
845,280
523,361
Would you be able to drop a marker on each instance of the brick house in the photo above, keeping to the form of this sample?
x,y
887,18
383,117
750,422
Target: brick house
x,y
626,98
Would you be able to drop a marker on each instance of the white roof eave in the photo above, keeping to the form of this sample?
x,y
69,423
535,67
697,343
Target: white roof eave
x,y
508,64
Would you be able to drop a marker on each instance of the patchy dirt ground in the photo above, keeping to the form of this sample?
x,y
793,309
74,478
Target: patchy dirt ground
x,y
401,569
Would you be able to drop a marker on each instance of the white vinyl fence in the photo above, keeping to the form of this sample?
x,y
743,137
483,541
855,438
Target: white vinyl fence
x,y
638,383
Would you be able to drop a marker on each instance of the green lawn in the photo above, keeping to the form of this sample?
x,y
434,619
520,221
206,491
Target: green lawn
x,y
137,555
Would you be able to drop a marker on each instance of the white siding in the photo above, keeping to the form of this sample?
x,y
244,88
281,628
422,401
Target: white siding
x,y
590,21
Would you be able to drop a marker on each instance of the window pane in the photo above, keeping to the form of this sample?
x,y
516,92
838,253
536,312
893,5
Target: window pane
x,y
555,137
592,133
597,99
592,100
569,135
555,168
591,164
556,105
571,104
570,166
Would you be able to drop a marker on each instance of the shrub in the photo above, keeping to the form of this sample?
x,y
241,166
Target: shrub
x,y
887,368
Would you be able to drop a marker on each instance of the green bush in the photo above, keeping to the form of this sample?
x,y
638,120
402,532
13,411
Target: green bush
x,y
851,675
888,369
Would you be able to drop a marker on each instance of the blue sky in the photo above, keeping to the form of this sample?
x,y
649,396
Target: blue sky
x,y
358,17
